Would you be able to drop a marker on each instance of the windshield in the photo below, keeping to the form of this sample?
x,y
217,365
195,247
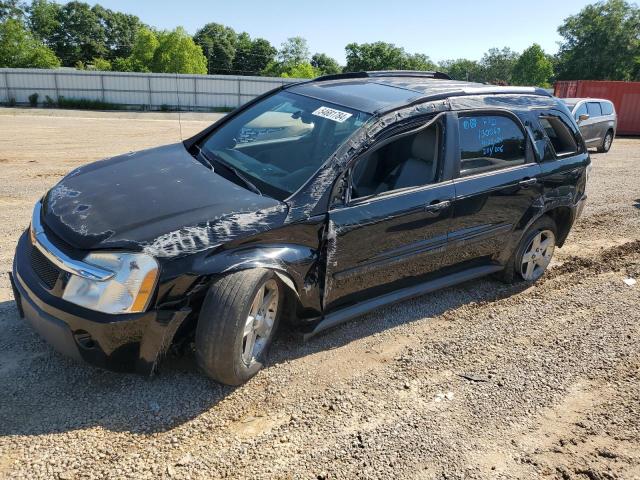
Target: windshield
x,y
278,143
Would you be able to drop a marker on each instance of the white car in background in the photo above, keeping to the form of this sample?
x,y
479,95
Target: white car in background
x,y
596,119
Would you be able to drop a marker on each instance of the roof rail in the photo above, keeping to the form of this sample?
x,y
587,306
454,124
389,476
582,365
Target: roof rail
x,y
383,73
409,73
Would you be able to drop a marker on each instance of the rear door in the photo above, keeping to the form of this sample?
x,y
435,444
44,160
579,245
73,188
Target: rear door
x,y
565,159
497,184
392,232
594,124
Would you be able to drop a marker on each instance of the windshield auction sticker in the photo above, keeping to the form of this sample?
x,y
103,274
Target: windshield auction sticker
x,y
331,114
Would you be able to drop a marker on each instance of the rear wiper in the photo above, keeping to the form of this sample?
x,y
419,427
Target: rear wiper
x,y
218,160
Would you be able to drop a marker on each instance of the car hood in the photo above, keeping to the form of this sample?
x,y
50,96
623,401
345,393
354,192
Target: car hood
x,y
159,200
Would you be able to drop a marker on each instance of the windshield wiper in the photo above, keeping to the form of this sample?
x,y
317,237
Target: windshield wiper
x,y
219,160
203,159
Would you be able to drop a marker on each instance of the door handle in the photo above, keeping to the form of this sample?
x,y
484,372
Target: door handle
x,y
527,182
437,206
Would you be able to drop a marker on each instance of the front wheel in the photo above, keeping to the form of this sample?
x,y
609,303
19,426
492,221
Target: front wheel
x,y
237,322
606,142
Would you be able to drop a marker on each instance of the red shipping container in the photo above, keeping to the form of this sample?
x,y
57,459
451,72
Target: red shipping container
x,y
624,95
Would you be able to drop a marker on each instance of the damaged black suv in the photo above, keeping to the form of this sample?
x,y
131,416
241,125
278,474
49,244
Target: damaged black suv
x,y
314,203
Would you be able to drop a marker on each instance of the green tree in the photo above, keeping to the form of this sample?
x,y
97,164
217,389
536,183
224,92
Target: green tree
x,y
178,53
497,65
294,51
325,65
11,9
79,36
419,61
78,32
142,52
252,56
100,64
19,49
219,46
293,55
384,56
144,48
120,30
463,69
533,68
44,19
601,42
374,56
301,70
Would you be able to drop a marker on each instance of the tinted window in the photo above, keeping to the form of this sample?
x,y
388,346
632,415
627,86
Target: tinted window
x,y
489,142
559,134
594,109
607,108
279,142
410,161
582,110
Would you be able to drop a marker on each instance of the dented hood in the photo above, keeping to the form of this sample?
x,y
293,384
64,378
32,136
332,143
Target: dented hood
x,y
161,200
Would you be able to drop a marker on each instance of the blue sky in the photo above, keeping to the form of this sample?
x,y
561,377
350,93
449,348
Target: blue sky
x,y
440,29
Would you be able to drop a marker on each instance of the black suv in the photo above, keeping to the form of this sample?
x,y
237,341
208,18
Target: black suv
x,y
315,202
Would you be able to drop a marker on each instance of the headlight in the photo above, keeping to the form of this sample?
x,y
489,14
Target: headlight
x,y
128,291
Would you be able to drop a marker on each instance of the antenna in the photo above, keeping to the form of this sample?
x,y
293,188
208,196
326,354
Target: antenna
x,y
178,103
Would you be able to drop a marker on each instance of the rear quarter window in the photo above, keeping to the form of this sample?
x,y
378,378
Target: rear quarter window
x,y
607,108
559,134
489,142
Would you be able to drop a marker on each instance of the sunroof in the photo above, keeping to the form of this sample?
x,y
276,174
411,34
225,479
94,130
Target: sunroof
x,y
364,96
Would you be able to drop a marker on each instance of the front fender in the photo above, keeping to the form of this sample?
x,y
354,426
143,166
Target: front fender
x,y
296,265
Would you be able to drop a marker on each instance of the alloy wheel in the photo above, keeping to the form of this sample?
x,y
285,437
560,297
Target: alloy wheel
x,y
537,255
259,324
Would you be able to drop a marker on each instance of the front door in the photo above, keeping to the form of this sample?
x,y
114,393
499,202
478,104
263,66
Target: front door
x,y
393,230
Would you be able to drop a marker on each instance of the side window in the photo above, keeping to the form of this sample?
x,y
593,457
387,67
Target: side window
x,y
594,109
409,161
607,108
489,142
582,110
560,135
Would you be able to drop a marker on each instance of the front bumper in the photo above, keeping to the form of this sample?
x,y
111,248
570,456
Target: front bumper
x,y
128,342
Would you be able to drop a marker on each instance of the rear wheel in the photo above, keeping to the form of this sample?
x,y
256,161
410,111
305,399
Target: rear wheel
x,y
606,142
537,255
237,322
534,253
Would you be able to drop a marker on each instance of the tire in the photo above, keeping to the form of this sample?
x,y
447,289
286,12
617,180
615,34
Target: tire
x,y
607,141
515,270
224,325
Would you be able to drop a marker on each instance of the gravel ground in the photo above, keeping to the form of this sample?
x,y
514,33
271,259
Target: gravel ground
x,y
478,381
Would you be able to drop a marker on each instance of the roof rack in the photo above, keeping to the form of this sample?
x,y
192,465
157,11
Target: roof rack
x,y
383,73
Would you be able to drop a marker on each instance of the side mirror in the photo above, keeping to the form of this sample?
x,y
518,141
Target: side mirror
x,y
583,117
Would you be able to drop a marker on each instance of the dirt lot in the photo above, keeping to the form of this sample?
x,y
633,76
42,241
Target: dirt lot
x,y
553,371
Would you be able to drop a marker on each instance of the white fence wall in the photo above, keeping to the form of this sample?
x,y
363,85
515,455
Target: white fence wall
x,y
152,90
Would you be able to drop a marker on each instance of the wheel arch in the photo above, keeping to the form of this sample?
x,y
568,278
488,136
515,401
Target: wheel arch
x,y
296,266
563,217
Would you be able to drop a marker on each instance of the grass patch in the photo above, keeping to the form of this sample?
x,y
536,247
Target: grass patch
x,y
222,109
86,104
